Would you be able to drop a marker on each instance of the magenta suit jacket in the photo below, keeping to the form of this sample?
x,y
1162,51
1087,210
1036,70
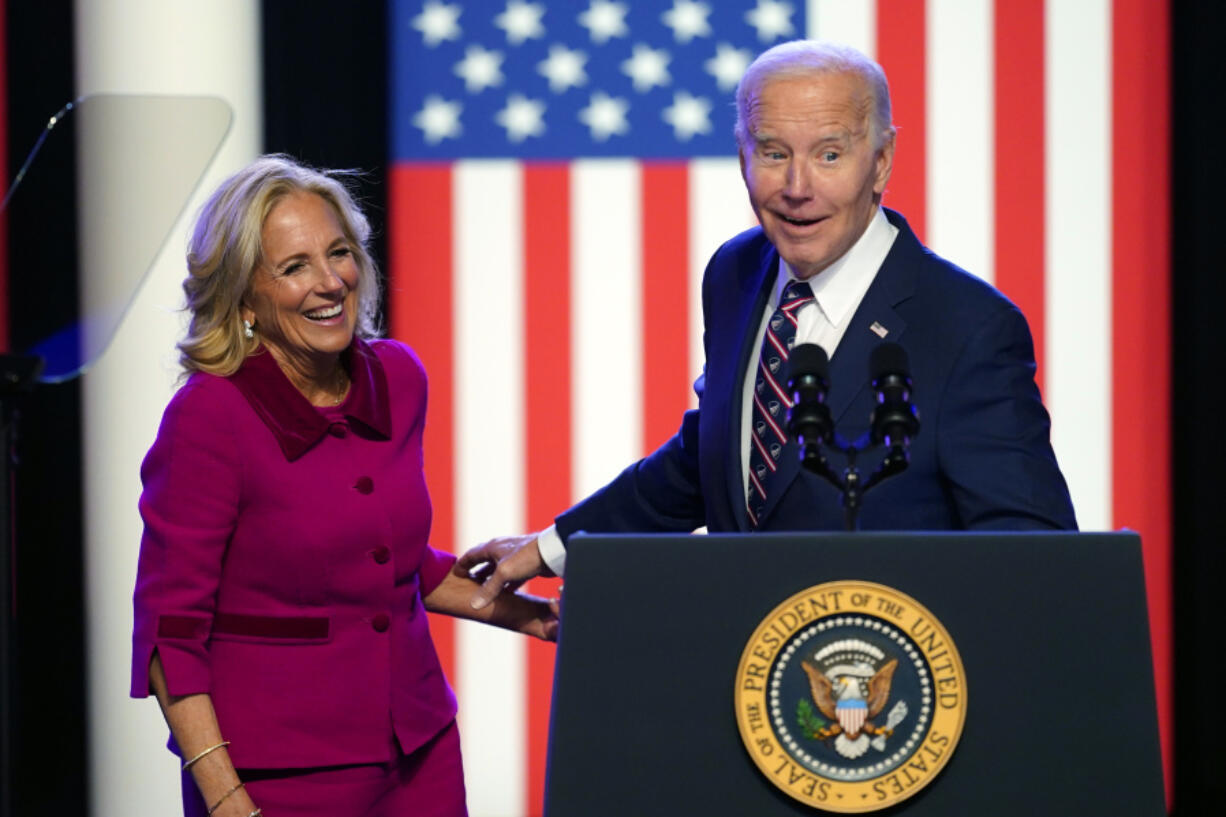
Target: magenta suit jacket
x,y
284,560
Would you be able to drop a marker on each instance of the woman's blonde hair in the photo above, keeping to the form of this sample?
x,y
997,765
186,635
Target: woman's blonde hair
x,y
225,248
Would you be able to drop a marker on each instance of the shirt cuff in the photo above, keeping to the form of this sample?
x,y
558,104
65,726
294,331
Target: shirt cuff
x,y
553,552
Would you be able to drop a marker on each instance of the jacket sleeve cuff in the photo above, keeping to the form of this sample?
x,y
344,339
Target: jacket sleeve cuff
x,y
434,568
179,643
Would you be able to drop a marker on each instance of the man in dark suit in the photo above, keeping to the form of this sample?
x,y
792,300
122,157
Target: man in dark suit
x,y
829,265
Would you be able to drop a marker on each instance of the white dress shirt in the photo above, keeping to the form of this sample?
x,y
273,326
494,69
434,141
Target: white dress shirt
x,y
838,290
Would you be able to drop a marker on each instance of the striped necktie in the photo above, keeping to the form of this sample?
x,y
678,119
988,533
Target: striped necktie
x,y
768,433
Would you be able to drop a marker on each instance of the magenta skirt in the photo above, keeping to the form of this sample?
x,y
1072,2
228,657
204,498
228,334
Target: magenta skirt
x,y
427,783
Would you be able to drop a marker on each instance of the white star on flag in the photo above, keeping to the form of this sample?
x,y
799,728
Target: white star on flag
x,y
522,117
605,116
521,21
564,68
688,20
438,119
771,18
480,69
438,22
647,67
728,65
604,20
689,115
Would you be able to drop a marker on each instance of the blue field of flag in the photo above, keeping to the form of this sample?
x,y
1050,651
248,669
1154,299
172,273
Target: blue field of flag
x,y
563,80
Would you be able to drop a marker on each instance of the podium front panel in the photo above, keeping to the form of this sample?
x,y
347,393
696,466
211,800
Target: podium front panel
x,y
1051,627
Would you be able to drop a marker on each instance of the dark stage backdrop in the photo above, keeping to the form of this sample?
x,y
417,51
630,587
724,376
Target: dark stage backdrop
x,y
331,109
49,739
1199,177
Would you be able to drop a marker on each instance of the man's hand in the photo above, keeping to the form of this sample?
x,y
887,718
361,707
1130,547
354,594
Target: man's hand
x,y
502,563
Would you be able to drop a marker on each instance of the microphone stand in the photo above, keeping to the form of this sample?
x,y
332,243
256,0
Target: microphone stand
x,y
893,421
849,482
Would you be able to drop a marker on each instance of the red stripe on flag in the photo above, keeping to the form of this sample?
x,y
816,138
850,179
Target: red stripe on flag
x,y
1141,327
1020,162
419,309
547,477
666,360
900,51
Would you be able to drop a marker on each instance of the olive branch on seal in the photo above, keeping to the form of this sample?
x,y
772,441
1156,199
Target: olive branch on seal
x,y
810,723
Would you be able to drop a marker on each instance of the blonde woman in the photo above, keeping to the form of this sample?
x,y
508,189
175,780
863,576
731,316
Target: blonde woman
x,y
284,571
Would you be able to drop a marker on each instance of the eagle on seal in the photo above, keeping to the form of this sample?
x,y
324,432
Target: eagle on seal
x,y
840,697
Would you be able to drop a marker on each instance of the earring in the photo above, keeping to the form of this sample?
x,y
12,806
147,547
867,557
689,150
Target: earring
x,y
248,330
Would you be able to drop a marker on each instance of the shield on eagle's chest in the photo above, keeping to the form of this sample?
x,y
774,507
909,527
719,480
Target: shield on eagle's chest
x,y
852,715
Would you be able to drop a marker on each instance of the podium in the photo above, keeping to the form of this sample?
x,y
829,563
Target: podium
x,y
1052,631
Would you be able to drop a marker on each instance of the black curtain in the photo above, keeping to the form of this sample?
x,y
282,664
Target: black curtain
x,y
326,103
49,706
1198,295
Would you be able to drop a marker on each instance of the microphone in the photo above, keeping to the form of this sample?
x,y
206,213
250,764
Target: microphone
x,y
894,419
808,381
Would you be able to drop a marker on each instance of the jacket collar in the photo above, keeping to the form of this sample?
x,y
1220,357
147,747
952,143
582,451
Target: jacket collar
x,y
292,419
876,319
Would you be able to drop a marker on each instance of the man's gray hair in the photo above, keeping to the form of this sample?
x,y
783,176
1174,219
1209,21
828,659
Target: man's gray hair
x,y
807,58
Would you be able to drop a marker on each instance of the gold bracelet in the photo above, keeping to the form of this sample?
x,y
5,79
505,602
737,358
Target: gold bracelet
x,y
213,807
213,748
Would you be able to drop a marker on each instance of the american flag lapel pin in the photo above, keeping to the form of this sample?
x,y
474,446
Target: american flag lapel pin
x,y
879,330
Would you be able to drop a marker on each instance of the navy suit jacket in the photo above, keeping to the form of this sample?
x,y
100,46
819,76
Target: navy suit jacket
x,y
981,460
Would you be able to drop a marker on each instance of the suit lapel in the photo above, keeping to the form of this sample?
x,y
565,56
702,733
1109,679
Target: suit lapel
x,y
849,372
875,320
754,292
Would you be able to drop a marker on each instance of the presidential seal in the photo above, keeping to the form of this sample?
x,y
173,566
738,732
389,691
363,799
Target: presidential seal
x,y
850,696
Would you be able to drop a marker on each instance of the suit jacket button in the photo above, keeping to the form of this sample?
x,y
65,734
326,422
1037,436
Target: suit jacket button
x,y
381,622
364,485
381,554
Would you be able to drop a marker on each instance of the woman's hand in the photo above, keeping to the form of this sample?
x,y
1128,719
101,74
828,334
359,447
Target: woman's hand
x,y
527,614
509,609
194,723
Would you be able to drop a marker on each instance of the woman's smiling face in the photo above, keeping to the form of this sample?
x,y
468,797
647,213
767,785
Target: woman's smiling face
x,y
303,296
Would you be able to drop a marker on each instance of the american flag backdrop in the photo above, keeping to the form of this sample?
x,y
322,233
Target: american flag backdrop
x,y
563,170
